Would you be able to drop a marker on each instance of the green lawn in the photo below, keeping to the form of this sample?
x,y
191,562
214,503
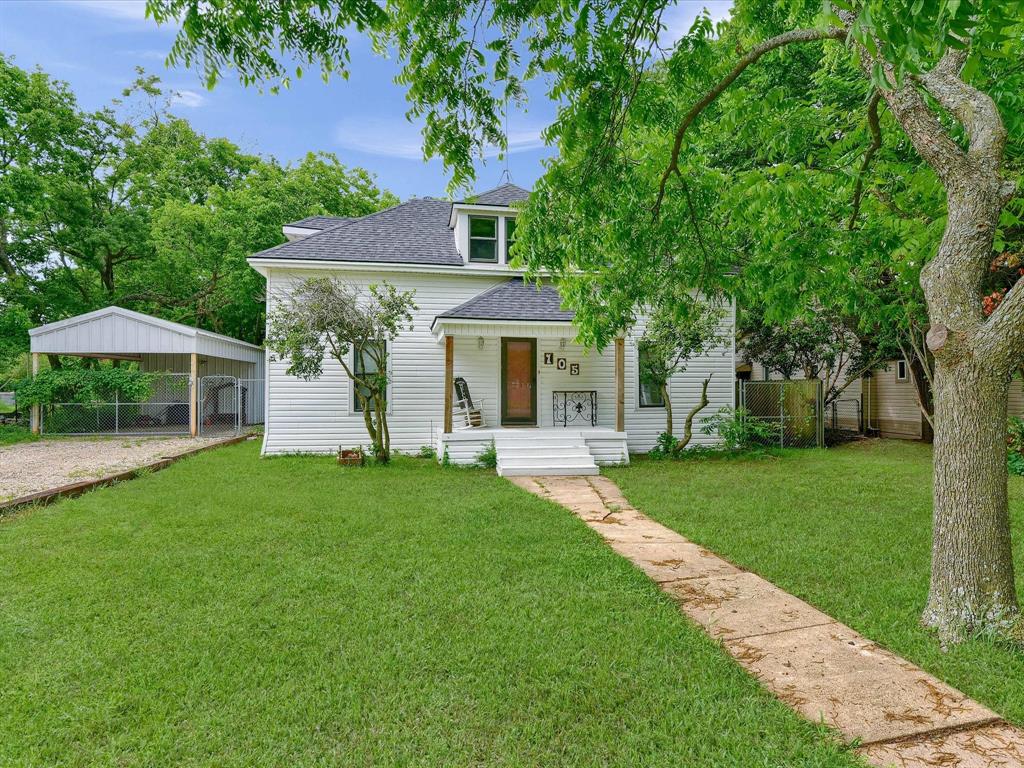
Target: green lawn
x,y
848,530
231,611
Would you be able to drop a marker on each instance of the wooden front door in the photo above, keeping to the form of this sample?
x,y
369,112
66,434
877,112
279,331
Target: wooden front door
x,y
519,381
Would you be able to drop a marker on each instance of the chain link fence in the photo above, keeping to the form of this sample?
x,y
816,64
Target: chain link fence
x,y
846,414
165,412
228,405
794,409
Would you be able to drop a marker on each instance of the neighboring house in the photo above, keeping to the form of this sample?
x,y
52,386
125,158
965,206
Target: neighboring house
x,y
884,403
548,403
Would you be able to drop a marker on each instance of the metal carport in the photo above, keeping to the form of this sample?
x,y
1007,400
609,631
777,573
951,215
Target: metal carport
x,y
158,346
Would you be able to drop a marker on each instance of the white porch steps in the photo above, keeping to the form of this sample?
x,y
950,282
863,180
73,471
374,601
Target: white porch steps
x,y
529,452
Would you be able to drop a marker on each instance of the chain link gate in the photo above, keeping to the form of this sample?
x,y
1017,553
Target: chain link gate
x,y
218,405
227,405
794,408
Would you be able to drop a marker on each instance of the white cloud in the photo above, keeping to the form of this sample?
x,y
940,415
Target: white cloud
x,y
129,10
397,137
188,99
679,18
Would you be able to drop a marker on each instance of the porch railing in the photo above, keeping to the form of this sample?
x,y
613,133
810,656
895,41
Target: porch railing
x,y
574,408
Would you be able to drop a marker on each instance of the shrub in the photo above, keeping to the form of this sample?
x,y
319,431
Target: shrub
x,y
488,457
1015,445
665,447
427,452
740,431
85,385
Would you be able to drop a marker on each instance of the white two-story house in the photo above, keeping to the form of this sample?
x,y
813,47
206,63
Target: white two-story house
x,y
480,334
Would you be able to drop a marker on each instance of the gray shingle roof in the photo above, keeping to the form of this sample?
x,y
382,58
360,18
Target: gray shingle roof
x,y
514,300
415,232
506,194
320,222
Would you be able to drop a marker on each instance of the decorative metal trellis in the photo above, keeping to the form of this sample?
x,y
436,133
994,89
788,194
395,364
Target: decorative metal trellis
x,y
574,408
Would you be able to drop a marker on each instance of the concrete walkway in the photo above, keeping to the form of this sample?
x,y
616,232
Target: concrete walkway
x,y
897,714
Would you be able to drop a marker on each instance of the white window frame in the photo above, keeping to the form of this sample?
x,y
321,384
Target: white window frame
x,y
640,406
503,258
351,396
496,240
902,371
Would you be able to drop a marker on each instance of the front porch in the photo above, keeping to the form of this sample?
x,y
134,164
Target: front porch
x,y
514,376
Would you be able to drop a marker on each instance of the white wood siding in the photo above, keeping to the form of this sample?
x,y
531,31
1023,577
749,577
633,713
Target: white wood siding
x,y
1017,397
643,425
317,416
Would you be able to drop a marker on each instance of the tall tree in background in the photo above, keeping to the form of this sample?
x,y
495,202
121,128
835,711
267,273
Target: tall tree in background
x,y
642,197
130,205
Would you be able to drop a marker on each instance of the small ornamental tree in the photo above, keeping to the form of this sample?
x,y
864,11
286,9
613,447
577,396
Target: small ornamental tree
x,y
671,339
826,347
329,316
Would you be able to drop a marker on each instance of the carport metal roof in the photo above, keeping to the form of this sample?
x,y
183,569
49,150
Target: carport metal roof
x,y
115,332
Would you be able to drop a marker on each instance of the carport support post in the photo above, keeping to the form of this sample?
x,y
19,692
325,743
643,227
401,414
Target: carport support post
x,y
620,384
34,416
449,371
193,396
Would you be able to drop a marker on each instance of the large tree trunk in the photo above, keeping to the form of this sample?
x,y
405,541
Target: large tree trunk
x,y
972,584
972,581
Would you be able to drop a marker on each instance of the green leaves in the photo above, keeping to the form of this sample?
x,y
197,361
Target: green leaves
x,y
78,384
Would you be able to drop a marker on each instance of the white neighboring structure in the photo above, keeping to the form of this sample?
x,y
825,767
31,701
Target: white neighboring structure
x,y
548,403
158,346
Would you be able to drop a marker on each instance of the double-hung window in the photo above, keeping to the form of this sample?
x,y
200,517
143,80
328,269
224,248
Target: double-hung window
x,y
364,363
483,239
650,391
510,236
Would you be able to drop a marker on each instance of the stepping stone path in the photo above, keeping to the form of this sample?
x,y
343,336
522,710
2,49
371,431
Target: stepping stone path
x,y
898,714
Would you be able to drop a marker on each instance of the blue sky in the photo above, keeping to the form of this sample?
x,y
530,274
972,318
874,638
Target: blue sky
x,y
95,44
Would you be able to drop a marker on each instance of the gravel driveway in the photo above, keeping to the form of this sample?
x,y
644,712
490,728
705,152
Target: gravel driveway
x,y
30,467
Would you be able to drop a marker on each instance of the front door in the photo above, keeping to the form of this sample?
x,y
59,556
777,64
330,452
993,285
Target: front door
x,y
519,381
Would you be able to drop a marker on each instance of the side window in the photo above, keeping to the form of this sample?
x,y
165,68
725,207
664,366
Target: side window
x,y
483,239
364,361
650,391
510,235
901,370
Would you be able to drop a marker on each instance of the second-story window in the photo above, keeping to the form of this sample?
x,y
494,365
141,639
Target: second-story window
x,y
510,236
483,239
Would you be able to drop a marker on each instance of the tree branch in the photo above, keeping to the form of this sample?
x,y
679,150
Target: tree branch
x,y
787,38
974,110
876,144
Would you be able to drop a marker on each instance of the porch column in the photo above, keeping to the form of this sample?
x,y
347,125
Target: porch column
x,y
34,413
449,371
620,385
193,396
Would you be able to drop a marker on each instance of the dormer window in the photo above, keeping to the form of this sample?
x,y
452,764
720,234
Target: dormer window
x,y
483,239
510,235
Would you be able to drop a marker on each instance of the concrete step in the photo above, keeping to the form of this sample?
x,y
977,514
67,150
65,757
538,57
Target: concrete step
x,y
547,471
539,442
543,453
553,451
